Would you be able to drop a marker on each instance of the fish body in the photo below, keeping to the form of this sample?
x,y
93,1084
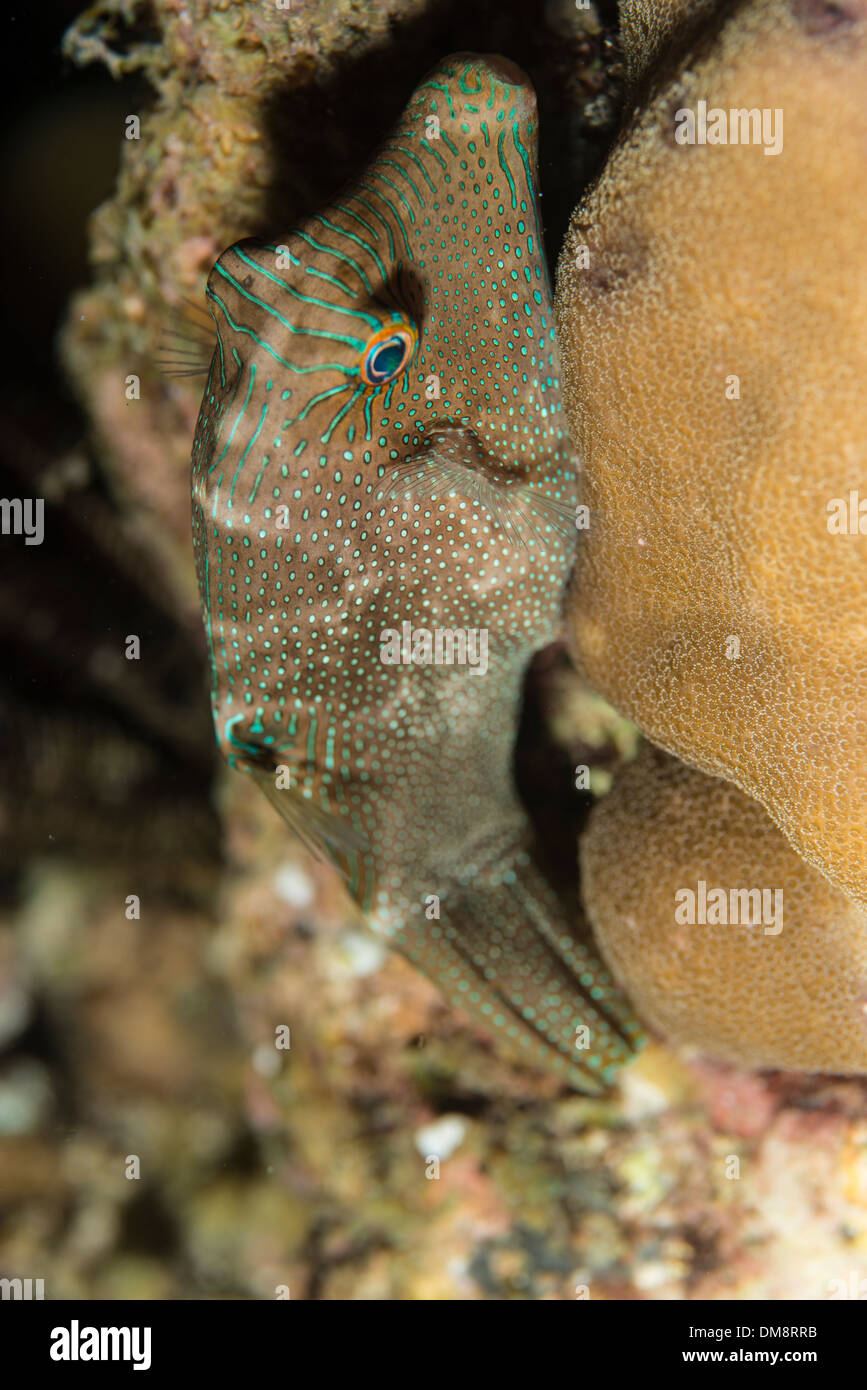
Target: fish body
x,y
381,460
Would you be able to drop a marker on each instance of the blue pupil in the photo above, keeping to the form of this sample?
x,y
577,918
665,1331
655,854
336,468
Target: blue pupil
x,y
387,359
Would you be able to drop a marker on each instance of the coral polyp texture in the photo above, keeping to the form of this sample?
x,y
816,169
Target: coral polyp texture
x,y
712,312
648,27
721,934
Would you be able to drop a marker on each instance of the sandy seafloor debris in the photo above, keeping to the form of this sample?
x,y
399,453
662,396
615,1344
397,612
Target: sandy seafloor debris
x,y
311,1166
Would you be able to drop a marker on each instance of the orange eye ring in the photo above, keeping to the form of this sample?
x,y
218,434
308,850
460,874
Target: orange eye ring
x,y
389,352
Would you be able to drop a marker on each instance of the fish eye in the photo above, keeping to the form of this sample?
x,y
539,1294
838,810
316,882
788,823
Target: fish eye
x,y
389,352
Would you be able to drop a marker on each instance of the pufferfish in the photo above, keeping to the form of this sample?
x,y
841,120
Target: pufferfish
x,y
381,475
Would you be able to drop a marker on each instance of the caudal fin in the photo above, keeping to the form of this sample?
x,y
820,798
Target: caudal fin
x,y
503,951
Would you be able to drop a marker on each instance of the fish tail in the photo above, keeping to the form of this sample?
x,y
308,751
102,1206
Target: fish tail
x,y
503,950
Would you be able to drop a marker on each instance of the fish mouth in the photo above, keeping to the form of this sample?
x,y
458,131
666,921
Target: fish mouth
x,y
453,461
242,751
324,832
